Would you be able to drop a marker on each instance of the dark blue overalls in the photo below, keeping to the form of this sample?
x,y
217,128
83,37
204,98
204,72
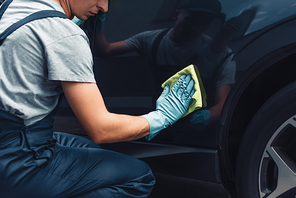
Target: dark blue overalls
x,y
36,162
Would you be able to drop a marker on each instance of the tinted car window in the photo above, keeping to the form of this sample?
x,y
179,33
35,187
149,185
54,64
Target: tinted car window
x,y
269,11
164,39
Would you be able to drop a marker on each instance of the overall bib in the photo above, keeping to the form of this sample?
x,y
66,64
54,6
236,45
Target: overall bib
x,y
36,162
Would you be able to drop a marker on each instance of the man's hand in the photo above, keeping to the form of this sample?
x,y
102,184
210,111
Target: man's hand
x,y
199,119
171,105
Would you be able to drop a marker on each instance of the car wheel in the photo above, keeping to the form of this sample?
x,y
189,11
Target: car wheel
x,y
266,163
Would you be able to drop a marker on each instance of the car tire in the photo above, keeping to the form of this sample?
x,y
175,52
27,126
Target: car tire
x,y
266,163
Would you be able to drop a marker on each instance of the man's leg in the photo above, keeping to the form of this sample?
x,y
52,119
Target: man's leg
x,y
105,173
96,172
71,140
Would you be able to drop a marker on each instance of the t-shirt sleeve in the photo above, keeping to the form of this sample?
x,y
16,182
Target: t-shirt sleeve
x,y
142,42
70,59
227,73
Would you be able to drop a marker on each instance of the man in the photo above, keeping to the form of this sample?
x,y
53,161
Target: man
x,y
180,46
37,64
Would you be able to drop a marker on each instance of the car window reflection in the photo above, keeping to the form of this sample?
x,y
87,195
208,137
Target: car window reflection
x,y
193,38
267,11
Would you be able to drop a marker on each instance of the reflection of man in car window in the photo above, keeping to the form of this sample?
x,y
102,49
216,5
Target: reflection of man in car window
x,y
169,51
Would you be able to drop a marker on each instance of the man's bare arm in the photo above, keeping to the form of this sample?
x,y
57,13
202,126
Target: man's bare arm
x,y
102,126
103,48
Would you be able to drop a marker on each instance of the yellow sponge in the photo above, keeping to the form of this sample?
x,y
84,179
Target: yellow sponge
x,y
199,97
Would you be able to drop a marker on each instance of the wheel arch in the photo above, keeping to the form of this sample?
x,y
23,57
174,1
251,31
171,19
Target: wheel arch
x,y
258,83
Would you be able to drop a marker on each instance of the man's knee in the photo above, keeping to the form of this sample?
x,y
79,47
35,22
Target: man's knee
x,y
131,181
144,182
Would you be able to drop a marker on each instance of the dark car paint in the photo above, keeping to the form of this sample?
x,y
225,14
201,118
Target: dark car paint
x,y
265,54
264,45
277,44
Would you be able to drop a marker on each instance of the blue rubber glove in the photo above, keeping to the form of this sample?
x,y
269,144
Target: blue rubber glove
x,y
199,119
171,105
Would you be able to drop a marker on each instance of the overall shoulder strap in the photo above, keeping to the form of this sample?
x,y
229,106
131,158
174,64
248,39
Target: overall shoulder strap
x,y
4,6
32,17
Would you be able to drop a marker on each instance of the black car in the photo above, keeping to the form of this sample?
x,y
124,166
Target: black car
x,y
251,147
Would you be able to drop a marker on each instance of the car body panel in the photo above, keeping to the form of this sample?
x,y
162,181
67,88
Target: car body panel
x,y
132,79
268,13
125,81
188,162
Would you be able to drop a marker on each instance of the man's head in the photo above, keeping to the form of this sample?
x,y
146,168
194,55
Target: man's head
x,y
193,17
83,9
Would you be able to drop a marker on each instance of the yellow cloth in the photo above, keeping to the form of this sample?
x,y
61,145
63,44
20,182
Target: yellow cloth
x,y
199,97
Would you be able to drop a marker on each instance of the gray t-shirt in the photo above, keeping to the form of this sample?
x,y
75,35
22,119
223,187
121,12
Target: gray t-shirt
x,y
36,57
196,52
